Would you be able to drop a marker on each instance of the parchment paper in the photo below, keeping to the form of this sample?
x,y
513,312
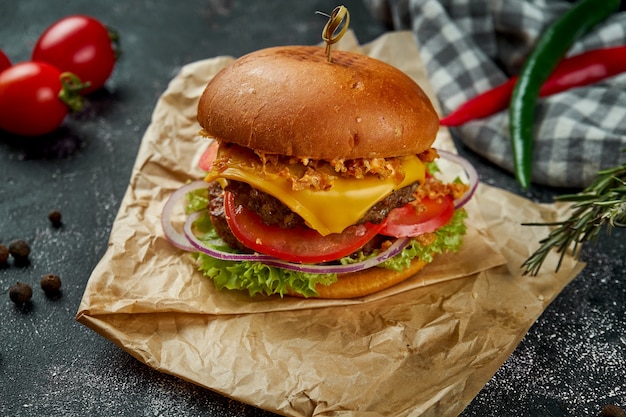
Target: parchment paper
x,y
422,348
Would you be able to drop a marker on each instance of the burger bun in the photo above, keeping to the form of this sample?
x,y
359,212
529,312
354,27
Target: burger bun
x,y
291,101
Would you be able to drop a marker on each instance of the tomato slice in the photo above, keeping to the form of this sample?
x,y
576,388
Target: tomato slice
x,y
413,220
208,157
299,244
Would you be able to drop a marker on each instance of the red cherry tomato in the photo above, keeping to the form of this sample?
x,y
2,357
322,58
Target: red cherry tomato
x,y
80,45
5,62
298,244
413,220
29,103
208,157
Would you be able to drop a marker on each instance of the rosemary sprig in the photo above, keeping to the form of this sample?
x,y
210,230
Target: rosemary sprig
x,y
603,203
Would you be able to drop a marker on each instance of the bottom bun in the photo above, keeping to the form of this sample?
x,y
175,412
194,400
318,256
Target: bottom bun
x,y
370,281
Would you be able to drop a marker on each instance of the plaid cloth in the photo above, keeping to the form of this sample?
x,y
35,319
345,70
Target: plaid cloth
x,y
469,46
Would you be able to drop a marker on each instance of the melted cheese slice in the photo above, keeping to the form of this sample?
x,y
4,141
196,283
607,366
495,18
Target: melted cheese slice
x,y
327,211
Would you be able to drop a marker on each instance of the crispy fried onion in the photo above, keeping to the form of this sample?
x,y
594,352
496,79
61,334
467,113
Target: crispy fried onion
x,y
433,189
319,174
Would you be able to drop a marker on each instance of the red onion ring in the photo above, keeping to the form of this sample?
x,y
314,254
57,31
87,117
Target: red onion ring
x,y
173,236
390,252
470,171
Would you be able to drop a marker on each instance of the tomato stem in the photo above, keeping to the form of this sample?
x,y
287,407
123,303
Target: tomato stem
x,y
71,87
114,35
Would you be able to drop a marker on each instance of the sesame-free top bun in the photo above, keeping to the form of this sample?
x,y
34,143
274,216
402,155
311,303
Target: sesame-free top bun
x,y
292,101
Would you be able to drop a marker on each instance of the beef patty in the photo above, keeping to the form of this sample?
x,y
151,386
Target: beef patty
x,y
274,212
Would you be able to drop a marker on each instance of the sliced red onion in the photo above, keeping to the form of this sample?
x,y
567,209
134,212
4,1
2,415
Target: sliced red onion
x,y
173,236
470,171
392,251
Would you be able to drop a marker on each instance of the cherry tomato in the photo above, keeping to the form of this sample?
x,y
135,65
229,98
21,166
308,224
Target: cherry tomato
x,y
298,244
80,45
29,102
208,157
5,62
411,220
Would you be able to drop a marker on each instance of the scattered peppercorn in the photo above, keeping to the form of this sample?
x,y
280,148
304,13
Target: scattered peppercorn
x,y
20,293
19,249
612,411
4,254
55,218
51,284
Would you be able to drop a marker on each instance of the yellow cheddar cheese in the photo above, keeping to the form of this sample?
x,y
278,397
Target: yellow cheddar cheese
x,y
327,211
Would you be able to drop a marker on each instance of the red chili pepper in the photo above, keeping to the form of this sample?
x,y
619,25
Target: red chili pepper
x,y
579,70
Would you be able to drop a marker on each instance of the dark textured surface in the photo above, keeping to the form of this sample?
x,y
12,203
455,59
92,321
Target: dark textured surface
x,y
571,363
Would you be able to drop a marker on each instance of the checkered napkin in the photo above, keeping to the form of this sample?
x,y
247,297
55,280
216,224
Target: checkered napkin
x,y
469,46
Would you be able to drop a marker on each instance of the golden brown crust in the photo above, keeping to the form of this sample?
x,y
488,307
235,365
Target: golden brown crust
x,y
370,281
291,101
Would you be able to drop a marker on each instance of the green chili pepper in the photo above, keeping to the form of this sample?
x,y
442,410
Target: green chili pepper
x,y
548,52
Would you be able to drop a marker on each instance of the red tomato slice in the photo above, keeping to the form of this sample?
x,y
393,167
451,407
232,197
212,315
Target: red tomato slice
x,y
208,157
298,244
407,221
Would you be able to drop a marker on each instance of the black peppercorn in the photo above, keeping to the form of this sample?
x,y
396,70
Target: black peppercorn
x,y
51,284
4,254
19,249
55,218
20,293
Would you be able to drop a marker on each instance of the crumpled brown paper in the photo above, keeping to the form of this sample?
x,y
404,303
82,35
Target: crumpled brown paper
x,y
422,348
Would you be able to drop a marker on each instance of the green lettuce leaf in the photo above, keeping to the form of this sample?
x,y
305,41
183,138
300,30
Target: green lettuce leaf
x,y
257,278
449,238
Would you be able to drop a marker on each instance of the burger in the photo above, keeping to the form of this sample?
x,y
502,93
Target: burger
x,y
321,179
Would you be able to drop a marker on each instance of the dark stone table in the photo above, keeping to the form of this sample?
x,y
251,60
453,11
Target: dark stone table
x,y
571,363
